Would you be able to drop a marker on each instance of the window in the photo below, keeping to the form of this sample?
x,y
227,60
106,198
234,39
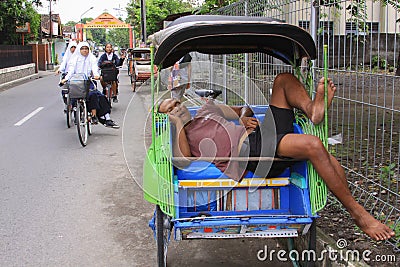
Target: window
x,y
362,28
305,24
326,27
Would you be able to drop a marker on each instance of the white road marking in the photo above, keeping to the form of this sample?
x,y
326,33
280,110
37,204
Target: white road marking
x,y
27,117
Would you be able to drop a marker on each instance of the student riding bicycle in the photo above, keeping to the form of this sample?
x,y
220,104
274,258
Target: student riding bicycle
x,y
64,67
84,62
110,57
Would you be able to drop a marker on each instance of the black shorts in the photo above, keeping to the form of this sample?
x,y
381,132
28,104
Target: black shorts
x,y
265,139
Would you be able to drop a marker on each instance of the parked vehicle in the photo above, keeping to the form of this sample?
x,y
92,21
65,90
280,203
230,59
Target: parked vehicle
x,y
199,201
140,66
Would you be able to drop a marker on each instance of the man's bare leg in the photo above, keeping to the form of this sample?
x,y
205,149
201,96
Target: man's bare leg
x,y
308,147
288,92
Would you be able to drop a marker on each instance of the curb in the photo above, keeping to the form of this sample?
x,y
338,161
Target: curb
x,y
23,79
325,242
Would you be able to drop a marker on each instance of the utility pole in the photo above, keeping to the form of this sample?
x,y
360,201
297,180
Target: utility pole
x,y
51,34
143,20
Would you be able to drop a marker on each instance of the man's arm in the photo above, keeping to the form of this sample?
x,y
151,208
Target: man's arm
x,y
243,113
180,144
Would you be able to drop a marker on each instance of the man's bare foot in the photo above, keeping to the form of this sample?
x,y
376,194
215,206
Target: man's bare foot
x,y
372,227
319,100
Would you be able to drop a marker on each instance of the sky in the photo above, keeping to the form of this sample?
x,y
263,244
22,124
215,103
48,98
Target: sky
x,y
71,10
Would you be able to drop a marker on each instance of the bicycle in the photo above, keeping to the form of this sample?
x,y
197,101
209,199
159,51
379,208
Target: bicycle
x,y
109,75
67,102
78,87
83,124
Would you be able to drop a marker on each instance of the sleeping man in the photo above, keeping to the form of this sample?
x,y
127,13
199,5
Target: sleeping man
x,y
211,134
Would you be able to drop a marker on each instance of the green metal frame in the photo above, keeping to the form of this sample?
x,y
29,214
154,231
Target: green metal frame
x,y
317,186
157,173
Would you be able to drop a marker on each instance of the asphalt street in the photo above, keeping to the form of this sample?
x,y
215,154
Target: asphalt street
x,y
67,205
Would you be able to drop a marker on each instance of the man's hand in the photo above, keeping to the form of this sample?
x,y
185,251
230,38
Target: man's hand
x,y
96,77
63,81
175,116
249,122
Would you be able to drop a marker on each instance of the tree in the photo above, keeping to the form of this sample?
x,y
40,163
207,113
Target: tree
x,y
210,5
118,37
16,13
156,11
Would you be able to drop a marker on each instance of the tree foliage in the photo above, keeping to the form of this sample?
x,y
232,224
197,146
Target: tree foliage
x,y
118,37
210,5
156,11
16,13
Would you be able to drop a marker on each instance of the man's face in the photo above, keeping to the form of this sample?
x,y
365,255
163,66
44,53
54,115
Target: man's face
x,y
84,51
72,49
168,105
174,107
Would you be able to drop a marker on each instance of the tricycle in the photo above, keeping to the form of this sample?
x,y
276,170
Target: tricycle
x,y
139,66
199,201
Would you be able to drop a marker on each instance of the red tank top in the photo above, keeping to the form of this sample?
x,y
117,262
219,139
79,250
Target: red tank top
x,y
211,135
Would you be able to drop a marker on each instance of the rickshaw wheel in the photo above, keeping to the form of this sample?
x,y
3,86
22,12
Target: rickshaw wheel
x,y
133,81
304,242
163,234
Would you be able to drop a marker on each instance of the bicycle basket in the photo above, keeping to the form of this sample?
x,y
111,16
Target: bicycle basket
x,y
109,74
78,86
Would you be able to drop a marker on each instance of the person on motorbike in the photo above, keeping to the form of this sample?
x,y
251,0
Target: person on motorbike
x,y
105,59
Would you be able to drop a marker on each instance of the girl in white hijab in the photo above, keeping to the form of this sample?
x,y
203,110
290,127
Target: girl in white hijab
x,y
83,61
67,56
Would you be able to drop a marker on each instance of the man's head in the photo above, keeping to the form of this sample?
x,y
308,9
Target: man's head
x,y
167,105
173,107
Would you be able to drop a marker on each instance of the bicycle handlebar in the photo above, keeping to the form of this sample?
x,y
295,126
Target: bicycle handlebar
x,y
213,93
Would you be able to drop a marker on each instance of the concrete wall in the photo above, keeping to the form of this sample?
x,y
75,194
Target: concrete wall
x,y
13,74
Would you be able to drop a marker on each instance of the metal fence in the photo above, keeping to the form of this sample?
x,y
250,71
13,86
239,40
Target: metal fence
x,y
15,55
363,55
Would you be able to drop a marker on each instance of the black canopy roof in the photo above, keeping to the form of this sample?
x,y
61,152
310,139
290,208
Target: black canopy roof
x,y
211,34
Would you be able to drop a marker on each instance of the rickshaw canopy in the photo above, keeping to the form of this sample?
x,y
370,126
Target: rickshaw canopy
x,y
141,53
215,34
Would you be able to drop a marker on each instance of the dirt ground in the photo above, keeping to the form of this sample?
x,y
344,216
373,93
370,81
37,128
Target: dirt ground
x,y
336,223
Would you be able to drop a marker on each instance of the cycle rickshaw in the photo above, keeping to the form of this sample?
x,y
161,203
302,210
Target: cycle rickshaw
x,y
192,202
139,66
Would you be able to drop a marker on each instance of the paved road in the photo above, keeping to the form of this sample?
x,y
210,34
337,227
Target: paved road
x,y
65,205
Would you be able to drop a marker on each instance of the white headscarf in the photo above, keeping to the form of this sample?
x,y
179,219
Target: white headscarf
x,y
67,56
82,64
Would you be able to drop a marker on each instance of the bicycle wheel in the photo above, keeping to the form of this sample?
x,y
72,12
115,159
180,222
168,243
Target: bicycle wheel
x,y
89,128
82,122
109,94
68,112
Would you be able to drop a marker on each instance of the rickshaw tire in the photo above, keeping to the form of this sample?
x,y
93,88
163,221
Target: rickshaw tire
x,y
134,86
311,241
161,252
